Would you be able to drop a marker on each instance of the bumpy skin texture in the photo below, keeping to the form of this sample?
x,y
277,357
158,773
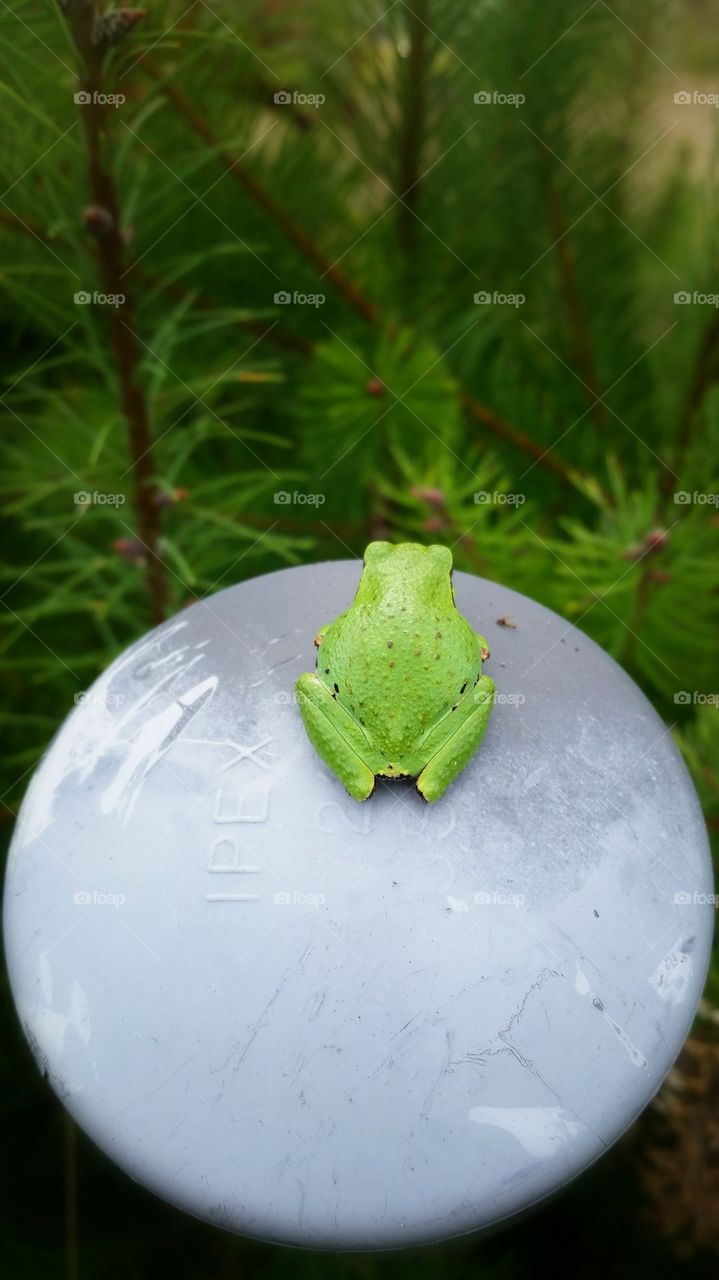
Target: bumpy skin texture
x,y
398,690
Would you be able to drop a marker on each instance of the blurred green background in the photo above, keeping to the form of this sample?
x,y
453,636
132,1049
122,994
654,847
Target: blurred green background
x,y
301,275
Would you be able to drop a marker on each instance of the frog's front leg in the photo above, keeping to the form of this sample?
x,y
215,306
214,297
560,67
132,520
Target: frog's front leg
x,y
458,742
335,736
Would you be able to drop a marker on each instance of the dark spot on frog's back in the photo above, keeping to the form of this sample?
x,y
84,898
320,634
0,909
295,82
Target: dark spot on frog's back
x,y
336,688
390,644
464,686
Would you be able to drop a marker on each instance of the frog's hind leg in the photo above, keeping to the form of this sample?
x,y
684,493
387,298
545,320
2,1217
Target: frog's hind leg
x,y
335,736
457,740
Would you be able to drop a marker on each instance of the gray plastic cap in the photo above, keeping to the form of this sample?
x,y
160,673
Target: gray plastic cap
x,y
342,1025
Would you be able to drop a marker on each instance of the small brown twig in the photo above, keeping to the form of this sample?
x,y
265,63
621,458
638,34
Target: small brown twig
x,y
349,290
577,321
70,1170
112,262
702,378
92,33
570,475
411,142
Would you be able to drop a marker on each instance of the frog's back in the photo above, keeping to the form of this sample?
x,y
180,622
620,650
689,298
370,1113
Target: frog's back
x,y
405,660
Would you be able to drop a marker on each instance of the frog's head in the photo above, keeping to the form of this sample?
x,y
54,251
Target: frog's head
x,y
427,569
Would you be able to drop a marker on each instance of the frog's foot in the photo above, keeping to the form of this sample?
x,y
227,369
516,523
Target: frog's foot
x,y
335,736
457,739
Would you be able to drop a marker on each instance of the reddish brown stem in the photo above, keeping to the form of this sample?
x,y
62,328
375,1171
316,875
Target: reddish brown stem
x,y
114,277
71,1233
349,290
702,378
411,141
577,322
476,409
504,431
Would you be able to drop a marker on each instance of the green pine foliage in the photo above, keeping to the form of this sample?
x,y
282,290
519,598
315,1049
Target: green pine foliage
x,y
392,199
433,154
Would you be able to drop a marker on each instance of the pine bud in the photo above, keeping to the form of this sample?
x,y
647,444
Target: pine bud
x,y
433,497
98,220
130,549
375,387
163,499
656,539
112,27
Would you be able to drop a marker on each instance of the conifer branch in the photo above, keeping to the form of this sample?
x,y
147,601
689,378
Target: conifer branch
x,y
93,33
346,287
569,291
481,413
411,142
272,334
703,377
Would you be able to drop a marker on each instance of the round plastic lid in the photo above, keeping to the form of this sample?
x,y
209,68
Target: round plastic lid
x,y
341,1025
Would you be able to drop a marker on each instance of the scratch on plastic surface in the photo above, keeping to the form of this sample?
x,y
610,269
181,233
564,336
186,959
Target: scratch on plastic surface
x,y
540,1130
583,988
672,976
151,744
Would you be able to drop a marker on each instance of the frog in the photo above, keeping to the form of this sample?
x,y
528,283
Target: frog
x,y
398,690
